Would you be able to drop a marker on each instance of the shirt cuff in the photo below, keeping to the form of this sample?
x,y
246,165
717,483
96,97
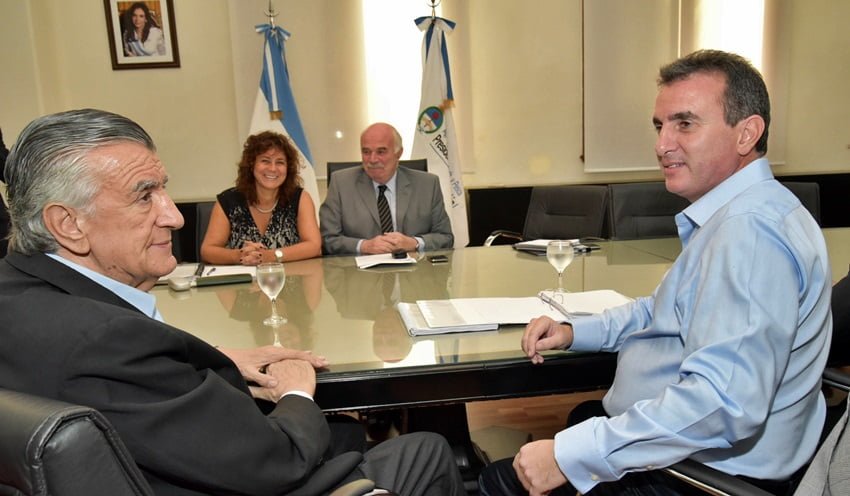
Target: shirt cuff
x,y
588,333
578,457
420,247
296,392
357,248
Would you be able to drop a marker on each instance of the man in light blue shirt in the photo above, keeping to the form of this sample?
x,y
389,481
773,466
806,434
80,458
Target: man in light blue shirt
x,y
722,363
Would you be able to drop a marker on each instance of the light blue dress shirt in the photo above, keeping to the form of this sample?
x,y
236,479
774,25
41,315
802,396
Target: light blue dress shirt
x,y
723,363
143,301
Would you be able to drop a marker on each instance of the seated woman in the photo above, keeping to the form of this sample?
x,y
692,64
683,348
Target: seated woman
x,y
268,216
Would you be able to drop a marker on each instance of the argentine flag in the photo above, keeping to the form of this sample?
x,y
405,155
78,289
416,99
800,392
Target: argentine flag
x,y
274,108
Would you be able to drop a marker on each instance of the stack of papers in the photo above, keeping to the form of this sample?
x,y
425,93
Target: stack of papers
x,y
189,270
367,261
482,314
538,246
416,324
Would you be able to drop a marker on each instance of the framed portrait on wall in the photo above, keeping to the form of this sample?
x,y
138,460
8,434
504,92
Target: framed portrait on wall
x,y
142,35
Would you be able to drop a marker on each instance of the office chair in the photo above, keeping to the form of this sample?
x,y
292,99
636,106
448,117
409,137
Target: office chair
x,y
643,210
49,447
715,482
420,164
809,195
203,210
560,212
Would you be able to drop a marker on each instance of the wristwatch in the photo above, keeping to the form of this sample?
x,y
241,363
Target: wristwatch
x,y
278,255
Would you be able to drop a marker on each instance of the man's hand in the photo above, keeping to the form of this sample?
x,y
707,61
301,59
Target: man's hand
x,y
293,375
401,241
544,333
253,362
388,243
537,469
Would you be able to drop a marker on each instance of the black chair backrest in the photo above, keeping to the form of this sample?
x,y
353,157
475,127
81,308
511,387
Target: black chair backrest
x,y
565,212
52,447
417,164
643,210
203,210
809,195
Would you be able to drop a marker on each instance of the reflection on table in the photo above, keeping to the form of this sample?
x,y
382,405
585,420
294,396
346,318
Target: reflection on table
x,y
347,315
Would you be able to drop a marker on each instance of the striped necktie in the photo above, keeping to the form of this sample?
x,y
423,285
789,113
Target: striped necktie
x,y
384,210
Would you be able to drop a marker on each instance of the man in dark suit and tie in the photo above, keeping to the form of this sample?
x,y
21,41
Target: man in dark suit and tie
x,y
381,207
91,234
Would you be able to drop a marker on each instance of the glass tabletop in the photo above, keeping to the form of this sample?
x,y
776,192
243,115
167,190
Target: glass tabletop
x,y
347,314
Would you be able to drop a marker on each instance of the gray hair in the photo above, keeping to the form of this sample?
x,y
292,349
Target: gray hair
x,y
49,163
396,139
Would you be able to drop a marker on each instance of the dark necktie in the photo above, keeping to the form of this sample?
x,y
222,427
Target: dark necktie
x,y
384,210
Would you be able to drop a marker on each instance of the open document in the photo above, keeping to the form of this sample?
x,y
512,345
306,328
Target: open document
x,y
476,314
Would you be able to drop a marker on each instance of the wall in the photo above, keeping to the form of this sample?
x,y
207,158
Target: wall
x,y
516,69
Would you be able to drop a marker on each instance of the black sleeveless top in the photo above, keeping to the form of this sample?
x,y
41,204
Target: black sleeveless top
x,y
281,231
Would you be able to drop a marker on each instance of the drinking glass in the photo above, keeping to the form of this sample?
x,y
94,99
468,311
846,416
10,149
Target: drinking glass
x,y
271,278
560,253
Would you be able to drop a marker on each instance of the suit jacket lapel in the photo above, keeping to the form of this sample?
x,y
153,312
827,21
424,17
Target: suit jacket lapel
x,y
367,194
402,197
72,282
65,278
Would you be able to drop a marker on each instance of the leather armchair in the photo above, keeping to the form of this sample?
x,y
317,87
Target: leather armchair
x,y
49,447
561,212
420,164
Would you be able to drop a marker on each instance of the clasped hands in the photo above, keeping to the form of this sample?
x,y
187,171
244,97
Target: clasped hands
x,y
251,253
388,243
275,370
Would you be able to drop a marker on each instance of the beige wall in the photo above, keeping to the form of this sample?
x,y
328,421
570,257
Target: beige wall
x,y
516,69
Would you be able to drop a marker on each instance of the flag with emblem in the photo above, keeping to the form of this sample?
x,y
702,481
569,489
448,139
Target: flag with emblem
x,y
435,130
274,108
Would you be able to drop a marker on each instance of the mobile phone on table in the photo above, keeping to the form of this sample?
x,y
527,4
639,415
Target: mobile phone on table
x,y
438,259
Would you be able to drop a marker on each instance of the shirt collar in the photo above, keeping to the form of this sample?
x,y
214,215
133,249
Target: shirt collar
x,y
701,210
390,184
143,301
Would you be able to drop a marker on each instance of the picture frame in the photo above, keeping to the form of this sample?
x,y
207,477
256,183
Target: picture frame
x,y
142,34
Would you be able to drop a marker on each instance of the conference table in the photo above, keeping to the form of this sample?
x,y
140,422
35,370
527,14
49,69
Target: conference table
x,y
347,314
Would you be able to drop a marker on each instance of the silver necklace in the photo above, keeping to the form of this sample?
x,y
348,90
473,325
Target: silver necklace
x,y
264,211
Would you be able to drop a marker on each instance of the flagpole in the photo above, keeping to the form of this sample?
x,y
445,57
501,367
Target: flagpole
x,y
435,138
271,14
274,107
434,4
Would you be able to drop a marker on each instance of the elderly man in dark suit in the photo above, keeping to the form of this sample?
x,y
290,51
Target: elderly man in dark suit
x,y
91,233
413,218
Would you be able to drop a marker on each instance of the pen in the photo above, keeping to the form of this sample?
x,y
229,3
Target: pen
x,y
211,271
200,270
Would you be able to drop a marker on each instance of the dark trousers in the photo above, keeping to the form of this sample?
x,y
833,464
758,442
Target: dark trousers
x,y
416,464
500,478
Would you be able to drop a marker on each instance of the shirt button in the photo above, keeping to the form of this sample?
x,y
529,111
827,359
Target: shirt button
x,y
594,477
